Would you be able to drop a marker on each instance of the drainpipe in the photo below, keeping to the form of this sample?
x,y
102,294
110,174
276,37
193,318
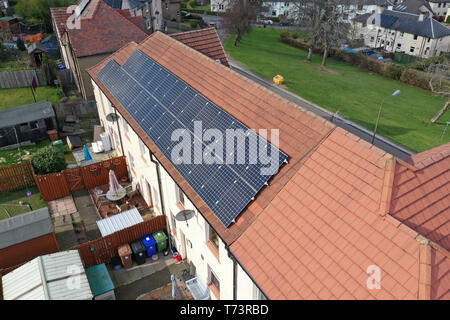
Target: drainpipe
x,y
161,196
231,256
118,128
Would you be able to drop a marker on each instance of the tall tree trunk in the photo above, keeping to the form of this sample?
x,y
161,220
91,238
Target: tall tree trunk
x,y
325,56
440,112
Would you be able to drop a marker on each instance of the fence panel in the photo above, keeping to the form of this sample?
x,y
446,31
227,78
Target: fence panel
x,y
58,185
52,186
16,177
102,250
21,78
97,174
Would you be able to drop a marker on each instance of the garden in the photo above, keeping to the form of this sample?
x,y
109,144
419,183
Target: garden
x,y
355,93
16,202
20,96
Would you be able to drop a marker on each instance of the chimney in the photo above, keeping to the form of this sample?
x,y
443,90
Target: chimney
x,y
423,15
380,9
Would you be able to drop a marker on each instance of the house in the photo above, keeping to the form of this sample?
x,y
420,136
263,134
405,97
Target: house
x,y
324,222
273,9
394,31
101,31
26,236
171,10
57,276
439,8
414,6
220,5
9,26
30,122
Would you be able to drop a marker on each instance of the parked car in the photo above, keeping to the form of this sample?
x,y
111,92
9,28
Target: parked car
x,y
285,23
212,24
266,21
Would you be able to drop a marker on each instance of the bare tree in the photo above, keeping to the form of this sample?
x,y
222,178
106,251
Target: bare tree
x,y
323,20
440,85
239,16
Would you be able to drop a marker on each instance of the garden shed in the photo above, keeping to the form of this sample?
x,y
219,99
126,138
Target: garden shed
x,y
57,276
31,122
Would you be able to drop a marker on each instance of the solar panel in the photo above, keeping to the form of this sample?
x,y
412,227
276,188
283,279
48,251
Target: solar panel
x,y
160,102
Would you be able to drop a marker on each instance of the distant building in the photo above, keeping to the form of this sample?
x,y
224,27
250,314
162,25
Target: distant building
x,y
394,31
9,26
171,10
3,7
439,8
220,5
102,31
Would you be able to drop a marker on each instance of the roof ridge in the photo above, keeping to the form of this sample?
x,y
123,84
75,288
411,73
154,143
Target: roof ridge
x,y
111,56
388,186
426,158
424,279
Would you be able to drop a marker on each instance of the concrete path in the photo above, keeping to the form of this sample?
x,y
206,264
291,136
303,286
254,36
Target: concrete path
x,y
380,141
155,279
62,206
87,212
65,233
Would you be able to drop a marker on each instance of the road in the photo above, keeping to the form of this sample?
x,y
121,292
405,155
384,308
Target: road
x,y
380,141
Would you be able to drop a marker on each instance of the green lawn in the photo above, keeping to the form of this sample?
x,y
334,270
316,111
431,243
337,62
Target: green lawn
x,y
9,202
355,93
20,96
9,157
22,62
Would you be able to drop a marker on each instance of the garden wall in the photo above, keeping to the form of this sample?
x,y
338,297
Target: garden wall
x,y
21,78
393,71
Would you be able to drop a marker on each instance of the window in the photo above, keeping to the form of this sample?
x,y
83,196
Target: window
x,y
429,39
399,45
34,125
179,194
143,148
131,160
167,6
402,34
415,37
412,49
372,39
213,237
213,282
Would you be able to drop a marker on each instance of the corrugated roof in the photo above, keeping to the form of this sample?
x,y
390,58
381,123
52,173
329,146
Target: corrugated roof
x,y
25,227
57,276
26,113
119,222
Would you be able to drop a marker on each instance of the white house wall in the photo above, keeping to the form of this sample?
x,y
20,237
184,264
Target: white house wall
x,y
195,230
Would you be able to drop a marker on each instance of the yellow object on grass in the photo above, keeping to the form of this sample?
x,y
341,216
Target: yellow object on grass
x,y
278,79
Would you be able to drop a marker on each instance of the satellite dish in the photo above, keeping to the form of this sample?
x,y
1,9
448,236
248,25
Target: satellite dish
x,y
185,215
112,117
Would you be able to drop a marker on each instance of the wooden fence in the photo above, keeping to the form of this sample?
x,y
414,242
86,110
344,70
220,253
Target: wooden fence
x,y
16,176
102,250
58,185
21,78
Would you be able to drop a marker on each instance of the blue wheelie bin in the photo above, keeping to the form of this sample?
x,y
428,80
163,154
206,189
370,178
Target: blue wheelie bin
x,y
150,244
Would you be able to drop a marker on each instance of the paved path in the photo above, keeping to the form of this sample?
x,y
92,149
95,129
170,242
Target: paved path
x,y
380,141
157,279
87,212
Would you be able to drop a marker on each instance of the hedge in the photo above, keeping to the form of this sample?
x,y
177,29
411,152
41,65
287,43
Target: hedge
x,y
394,71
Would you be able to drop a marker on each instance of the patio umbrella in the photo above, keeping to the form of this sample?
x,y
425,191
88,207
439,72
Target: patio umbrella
x,y
113,183
87,155
174,285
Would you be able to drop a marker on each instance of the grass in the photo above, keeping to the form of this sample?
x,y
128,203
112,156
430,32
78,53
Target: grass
x,y
9,202
17,97
356,93
9,157
22,62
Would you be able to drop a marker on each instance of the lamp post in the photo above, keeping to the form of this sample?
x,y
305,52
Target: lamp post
x,y
396,93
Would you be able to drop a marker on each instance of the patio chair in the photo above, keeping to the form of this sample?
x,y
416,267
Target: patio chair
x,y
124,207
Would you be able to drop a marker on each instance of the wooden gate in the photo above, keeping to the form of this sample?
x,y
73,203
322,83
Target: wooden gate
x,y
74,179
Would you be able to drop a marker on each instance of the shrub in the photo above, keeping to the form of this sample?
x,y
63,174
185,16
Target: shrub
x,y
395,71
20,45
48,160
194,24
285,35
295,35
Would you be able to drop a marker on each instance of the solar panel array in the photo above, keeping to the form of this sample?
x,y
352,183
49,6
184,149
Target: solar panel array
x,y
161,103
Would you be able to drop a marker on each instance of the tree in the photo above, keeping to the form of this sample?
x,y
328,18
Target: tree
x,y
38,11
20,44
239,16
48,160
440,85
323,20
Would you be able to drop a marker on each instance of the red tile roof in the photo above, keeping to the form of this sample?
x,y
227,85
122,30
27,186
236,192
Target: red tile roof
x,y
420,196
103,29
206,41
328,230
323,219
252,104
